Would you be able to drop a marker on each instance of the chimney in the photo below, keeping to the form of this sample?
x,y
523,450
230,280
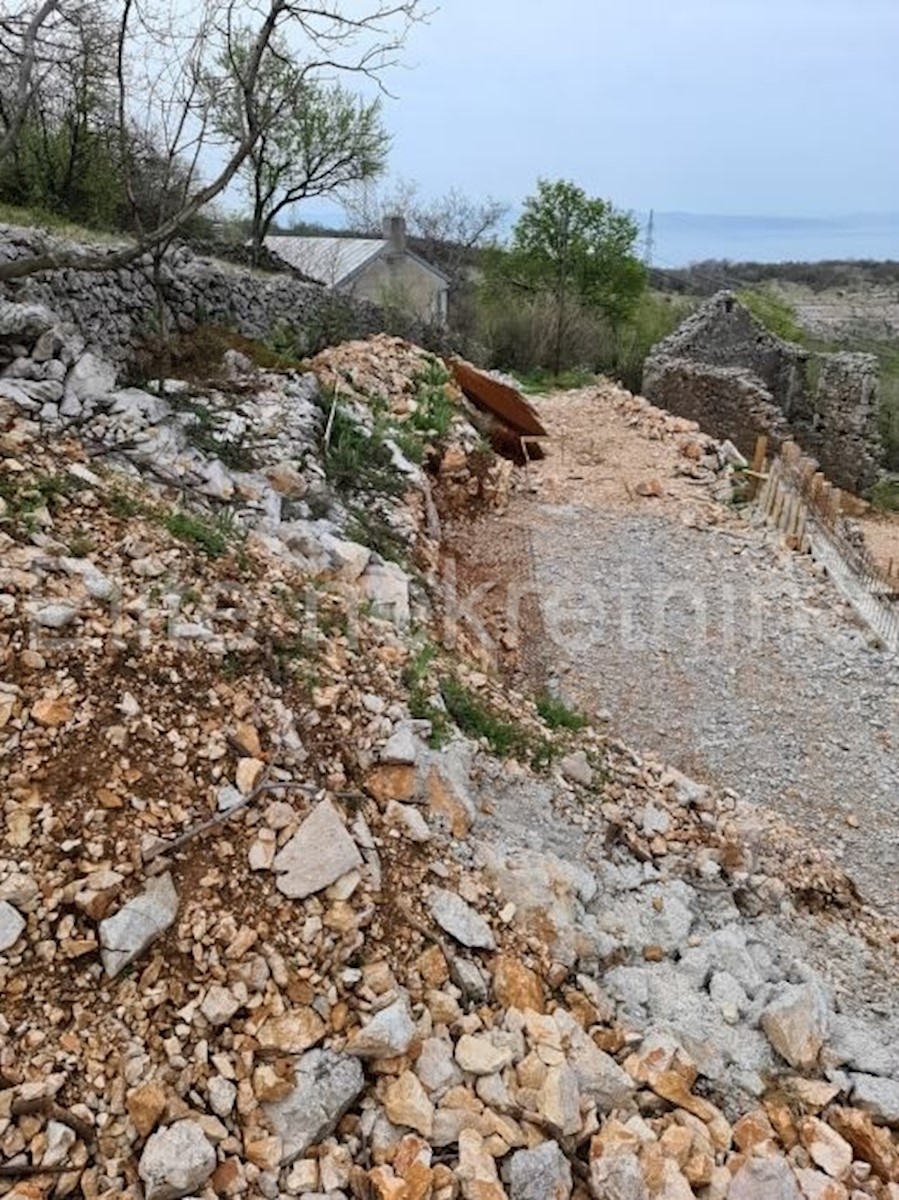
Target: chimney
x,y
395,235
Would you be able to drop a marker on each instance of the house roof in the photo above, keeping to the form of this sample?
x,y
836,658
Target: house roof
x,y
335,260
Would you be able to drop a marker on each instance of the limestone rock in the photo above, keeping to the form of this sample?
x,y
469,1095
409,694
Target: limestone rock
x,y
391,781
222,1095
599,1076
406,1103
219,1005
540,1174
176,1161
796,1024
24,321
576,768
12,923
765,1179
387,587
317,855
55,616
349,559
515,985
90,377
293,1033
326,1085
869,1142
52,710
128,932
560,1099
408,819
616,1175
459,920
879,1097
479,1056
827,1149
477,1169
447,788
248,774
389,1033
400,747
435,1065
145,1106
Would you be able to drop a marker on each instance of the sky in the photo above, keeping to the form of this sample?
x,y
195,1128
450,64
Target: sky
x,y
739,107
784,107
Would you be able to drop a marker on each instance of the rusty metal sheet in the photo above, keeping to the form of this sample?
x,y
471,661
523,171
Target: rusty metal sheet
x,y
498,398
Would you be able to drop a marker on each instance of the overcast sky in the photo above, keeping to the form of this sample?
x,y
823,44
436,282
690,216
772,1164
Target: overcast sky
x,y
784,107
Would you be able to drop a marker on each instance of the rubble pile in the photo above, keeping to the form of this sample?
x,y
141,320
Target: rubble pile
x,y
294,903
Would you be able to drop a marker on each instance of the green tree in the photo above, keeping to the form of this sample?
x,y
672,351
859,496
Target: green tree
x,y
317,139
579,252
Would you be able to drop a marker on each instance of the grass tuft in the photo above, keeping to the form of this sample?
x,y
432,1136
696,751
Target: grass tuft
x,y
557,715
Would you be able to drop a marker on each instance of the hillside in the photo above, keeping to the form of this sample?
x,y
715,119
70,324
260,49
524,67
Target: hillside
x,y
312,883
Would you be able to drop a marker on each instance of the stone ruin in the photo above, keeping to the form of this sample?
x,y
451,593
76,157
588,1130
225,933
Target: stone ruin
x,y
724,369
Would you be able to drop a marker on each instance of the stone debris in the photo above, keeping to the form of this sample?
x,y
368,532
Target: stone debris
x,y
12,925
404,967
388,1034
460,920
796,1024
176,1161
543,1173
326,1084
127,934
318,854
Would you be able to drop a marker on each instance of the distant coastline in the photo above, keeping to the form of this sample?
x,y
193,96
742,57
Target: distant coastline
x,y
682,238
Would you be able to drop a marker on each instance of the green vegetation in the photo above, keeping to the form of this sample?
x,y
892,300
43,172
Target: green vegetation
x,y
541,380
421,707
358,460
122,505
557,715
885,495
320,138
204,431
775,313
477,720
434,413
571,260
519,337
198,356
208,536
80,544
23,498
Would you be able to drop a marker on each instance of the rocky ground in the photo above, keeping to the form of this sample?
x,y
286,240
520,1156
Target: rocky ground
x,y
299,899
710,642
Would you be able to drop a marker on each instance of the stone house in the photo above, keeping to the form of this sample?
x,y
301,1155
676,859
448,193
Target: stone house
x,y
724,369
382,270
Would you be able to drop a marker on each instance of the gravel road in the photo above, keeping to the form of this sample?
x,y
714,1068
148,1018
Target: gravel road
x,y
734,660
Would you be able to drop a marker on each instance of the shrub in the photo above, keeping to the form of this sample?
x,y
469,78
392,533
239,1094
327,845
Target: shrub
x,y
208,536
557,714
478,721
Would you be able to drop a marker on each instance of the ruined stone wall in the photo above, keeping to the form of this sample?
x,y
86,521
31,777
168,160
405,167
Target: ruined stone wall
x,y
727,402
113,309
723,369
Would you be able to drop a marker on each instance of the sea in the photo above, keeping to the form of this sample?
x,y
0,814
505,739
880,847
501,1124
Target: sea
x,y
682,238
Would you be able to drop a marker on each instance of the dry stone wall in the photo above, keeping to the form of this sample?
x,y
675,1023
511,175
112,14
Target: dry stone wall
x,y
723,369
113,309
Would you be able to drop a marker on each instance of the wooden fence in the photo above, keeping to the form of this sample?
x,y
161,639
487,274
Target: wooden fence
x,y
795,498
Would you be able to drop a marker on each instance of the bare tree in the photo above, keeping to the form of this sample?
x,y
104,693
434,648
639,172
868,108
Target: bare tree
x,y
321,139
450,226
21,36
175,51
449,231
